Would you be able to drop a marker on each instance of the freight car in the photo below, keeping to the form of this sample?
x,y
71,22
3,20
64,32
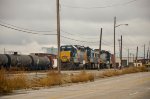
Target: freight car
x,y
4,60
27,62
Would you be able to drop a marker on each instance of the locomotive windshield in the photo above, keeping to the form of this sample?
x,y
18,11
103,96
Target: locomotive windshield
x,y
69,48
66,48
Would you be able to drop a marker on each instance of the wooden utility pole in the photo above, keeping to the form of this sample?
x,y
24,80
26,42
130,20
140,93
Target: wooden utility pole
x,y
136,55
58,36
121,52
114,43
128,57
133,58
149,52
147,56
119,40
100,43
144,54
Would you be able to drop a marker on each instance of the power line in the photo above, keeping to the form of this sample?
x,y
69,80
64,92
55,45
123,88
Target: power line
x,y
24,30
104,44
78,40
78,34
98,7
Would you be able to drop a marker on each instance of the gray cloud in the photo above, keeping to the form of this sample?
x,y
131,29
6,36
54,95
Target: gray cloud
x,y
82,23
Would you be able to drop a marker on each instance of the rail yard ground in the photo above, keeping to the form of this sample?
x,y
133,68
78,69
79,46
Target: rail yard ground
x,y
29,81
129,86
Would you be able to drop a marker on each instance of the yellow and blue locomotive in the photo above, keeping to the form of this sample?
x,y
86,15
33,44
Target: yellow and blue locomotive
x,y
76,56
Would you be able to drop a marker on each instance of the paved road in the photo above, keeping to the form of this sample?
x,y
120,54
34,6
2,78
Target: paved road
x,y
130,86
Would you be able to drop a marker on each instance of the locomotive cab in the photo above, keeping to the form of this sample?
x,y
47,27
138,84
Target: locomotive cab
x,y
67,53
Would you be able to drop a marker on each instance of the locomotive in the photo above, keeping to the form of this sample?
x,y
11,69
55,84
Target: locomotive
x,y
77,56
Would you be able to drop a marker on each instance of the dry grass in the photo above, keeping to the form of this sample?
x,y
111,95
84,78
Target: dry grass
x,y
4,86
109,73
8,84
82,77
20,81
53,78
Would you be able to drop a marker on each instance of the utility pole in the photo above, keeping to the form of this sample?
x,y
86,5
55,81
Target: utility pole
x,y
149,52
147,56
114,42
128,57
121,52
119,40
133,58
115,26
58,36
100,47
144,53
136,55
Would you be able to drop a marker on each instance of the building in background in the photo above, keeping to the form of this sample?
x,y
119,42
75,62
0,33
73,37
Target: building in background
x,y
50,50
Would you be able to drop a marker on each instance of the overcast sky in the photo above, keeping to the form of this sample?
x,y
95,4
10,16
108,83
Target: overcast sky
x,y
80,20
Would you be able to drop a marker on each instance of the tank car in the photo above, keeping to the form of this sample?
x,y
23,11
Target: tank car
x,y
39,62
3,61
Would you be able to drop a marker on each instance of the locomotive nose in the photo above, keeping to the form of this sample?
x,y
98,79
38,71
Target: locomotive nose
x,y
65,56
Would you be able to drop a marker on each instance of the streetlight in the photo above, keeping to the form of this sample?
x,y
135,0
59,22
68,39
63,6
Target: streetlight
x,y
115,26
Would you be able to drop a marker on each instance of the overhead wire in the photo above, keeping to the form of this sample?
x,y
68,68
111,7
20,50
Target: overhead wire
x,y
24,28
100,7
105,43
29,32
78,40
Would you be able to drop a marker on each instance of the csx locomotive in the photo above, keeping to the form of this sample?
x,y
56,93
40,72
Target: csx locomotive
x,y
76,56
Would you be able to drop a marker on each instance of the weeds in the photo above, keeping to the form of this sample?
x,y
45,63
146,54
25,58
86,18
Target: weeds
x,y
10,82
109,73
53,78
82,77
4,83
